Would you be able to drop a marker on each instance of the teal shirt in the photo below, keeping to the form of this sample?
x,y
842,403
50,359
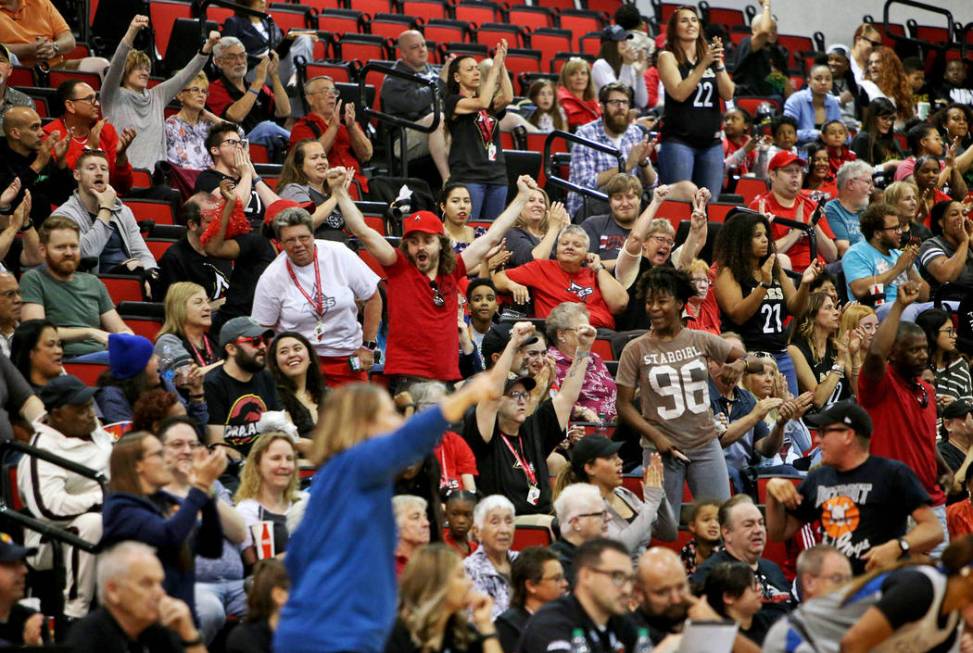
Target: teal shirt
x,y
79,302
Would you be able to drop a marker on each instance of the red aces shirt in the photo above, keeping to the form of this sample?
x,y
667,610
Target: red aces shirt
x,y
550,286
423,339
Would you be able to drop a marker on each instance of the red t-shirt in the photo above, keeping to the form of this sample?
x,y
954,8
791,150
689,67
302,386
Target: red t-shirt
x,y
749,160
552,286
449,540
340,153
959,519
901,428
800,252
838,156
455,459
120,177
578,112
423,339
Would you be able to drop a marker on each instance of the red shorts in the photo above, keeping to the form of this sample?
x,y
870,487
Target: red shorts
x,y
337,371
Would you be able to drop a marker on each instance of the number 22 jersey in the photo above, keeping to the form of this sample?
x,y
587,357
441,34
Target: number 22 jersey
x,y
672,378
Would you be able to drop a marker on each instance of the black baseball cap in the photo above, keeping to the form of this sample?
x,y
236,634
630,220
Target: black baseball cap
x,y
528,383
10,551
590,447
845,412
65,390
959,408
495,340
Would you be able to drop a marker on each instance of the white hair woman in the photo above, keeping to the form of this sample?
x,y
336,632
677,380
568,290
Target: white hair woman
x,y
412,525
489,565
598,392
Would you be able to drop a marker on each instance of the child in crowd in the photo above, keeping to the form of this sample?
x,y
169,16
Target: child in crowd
x,y
834,135
739,147
704,524
548,115
481,299
915,72
459,520
783,130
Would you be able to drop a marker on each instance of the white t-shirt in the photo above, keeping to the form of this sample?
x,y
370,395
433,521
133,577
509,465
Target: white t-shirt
x,y
345,278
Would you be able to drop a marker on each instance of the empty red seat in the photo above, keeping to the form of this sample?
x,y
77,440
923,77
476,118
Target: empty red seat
x,y
362,47
339,72
749,188
444,30
723,16
87,372
341,21
525,536
523,61
141,178
371,7
390,25
478,12
123,288
531,17
159,247
158,211
550,41
162,14
143,326
579,22
490,34
424,9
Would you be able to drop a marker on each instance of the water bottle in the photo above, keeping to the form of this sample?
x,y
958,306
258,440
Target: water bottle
x,y
578,642
644,644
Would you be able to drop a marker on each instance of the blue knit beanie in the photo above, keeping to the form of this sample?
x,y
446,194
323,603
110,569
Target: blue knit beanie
x,y
128,355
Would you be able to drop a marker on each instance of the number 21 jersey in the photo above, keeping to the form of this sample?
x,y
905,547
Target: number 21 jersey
x,y
673,381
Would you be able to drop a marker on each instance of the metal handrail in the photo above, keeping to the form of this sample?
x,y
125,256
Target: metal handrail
x,y
561,182
397,121
202,5
925,7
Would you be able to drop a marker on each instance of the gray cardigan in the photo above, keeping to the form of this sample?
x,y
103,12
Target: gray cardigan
x,y
143,111
95,234
654,518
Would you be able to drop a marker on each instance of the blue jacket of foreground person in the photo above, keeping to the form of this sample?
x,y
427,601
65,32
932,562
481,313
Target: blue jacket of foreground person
x,y
341,558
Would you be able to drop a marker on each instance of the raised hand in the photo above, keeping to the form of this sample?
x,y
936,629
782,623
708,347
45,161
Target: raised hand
x,y
500,55
767,269
701,198
260,73
336,177
273,64
594,261
10,193
106,197
557,216
812,272
525,184
226,190
907,294
21,215
61,147
785,492
94,135
349,114
207,467
586,336
125,139
521,332
211,40
654,472
139,22
660,193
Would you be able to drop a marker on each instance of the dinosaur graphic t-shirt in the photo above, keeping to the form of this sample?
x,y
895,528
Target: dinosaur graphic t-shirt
x,y
237,406
863,507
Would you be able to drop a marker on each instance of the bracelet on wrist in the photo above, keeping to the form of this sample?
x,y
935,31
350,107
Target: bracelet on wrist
x,y
192,642
256,92
104,208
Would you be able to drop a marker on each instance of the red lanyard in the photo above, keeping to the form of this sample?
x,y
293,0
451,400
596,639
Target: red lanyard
x,y
203,362
522,459
317,301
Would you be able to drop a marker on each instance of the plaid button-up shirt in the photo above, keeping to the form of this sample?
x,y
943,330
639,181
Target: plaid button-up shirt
x,y
586,163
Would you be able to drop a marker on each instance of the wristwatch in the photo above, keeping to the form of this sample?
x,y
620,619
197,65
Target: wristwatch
x,y
644,163
767,284
370,344
904,545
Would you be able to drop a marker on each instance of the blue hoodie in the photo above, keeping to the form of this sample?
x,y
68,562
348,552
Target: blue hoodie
x,y
141,518
341,558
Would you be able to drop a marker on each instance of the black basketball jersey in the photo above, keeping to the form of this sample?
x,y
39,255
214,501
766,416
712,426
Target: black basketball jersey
x,y
764,331
697,120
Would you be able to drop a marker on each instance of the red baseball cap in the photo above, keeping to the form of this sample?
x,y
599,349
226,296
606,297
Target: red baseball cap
x,y
425,221
783,159
275,208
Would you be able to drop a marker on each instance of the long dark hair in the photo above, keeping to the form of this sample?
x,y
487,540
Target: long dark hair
x,y
878,146
609,52
293,170
931,321
734,246
671,42
313,381
939,120
731,578
813,149
132,388
24,341
267,575
452,86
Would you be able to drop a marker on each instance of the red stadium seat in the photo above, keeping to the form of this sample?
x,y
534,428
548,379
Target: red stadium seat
x,y
390,25
523,61
551,41
218,14
444,31
605,6
371,7
123,288
531,17
22,76
749,188
590,43
159,247
580,22
162,14
666,9
87,372
682,539
159,211
674,212
603,347
290,18
525,536
724,16
478,12
362,47
143,326
717,212
324,4
342,21
490,34
559,5
424,9
141,178
339,72
751,102
11,491
57,76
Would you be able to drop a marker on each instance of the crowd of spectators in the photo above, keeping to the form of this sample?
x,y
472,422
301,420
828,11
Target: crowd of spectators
x,y
543,418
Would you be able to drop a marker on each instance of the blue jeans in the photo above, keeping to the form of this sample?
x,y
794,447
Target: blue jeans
x,y
216,600
706,473
265,132
681,162
786,367
489,200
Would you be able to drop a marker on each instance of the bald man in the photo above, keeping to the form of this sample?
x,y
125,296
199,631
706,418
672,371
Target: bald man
x,y
411,101
22,156
665,601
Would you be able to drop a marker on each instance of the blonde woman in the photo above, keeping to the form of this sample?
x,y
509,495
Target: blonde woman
x,y
269,490
858,325
536,230
188,321
576,93
904,196
186,131
822,366
347,538
435,596
128,102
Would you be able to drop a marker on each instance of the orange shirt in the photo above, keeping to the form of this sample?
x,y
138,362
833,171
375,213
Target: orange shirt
x,y
35,18
959,519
